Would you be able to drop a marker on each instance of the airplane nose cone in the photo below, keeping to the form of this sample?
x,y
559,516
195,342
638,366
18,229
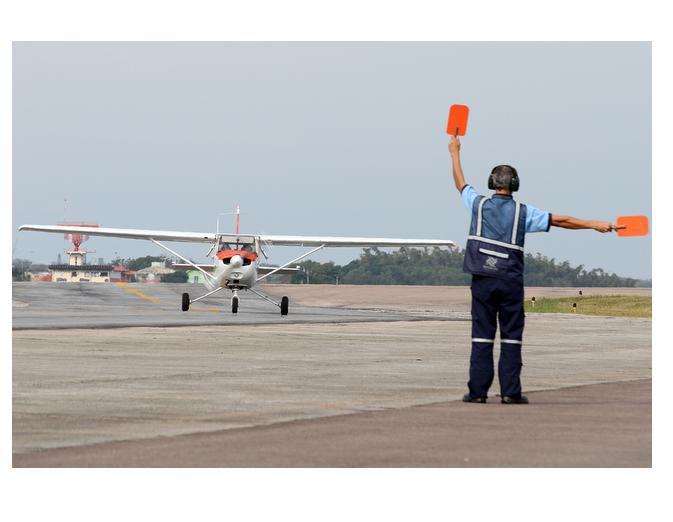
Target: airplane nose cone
x,y
236,261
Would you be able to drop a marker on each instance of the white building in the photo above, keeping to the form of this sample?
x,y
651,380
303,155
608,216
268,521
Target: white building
x,y
153,273
77,271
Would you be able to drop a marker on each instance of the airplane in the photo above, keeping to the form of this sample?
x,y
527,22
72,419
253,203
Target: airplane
x,y
236,264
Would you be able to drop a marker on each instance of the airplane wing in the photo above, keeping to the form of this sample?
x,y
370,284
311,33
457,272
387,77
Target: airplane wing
x,y
209,237
127,233
351,241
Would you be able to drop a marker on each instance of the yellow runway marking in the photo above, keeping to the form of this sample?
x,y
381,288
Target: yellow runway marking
x,y
138,293
200,309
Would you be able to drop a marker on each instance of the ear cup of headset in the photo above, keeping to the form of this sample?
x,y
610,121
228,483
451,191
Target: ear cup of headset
x,y
491,183
514,183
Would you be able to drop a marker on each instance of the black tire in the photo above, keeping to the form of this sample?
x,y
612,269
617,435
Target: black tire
x,y
284,305
234,305
185,302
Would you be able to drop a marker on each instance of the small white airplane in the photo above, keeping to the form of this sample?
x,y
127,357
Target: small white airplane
x,y
235,256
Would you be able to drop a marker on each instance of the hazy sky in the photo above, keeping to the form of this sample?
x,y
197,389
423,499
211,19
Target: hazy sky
x,y
327,139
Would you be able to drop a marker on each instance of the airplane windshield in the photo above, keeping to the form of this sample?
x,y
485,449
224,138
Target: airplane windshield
x,y
232,246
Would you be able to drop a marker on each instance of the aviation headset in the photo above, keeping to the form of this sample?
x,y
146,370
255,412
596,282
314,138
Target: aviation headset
x,y
513,182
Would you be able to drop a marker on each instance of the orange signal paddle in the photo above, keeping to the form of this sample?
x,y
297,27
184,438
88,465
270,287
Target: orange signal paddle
x,y
631,226
457,125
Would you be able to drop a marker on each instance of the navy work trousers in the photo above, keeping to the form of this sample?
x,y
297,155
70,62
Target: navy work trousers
x,y
492,299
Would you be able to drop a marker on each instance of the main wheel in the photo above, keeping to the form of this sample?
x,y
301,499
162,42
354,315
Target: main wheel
x,y
185,302
234,305
284,305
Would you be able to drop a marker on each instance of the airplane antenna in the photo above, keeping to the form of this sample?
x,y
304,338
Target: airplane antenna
x,y
238,221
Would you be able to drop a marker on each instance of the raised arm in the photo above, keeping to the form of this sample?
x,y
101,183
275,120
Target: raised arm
x,y
454,149
574,223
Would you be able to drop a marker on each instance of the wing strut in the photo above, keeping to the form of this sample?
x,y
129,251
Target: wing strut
x,y
183,258
206,295
290,262
260,294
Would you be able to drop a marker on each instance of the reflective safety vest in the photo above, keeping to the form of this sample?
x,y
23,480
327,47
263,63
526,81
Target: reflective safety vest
x,y
495,243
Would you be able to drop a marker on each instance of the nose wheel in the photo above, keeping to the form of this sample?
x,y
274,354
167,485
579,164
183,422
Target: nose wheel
x,y
234,304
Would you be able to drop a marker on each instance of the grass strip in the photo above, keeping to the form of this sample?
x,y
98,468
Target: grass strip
x,y
611,305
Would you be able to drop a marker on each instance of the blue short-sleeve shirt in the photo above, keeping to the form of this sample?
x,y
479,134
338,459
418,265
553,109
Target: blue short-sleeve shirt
x,y
536,220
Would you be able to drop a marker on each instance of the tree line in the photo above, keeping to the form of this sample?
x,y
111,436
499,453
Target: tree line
x,y
406,266
412,266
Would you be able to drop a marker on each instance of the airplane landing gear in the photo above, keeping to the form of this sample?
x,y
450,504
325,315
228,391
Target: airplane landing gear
x,y
185,302
284,304
234,304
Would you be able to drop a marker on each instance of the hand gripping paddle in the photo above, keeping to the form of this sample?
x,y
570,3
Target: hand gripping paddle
x,y
631,226
457,125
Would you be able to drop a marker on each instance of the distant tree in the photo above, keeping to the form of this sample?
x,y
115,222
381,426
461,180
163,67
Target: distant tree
x,y
138,263
316,273
19,269
428,266
413,266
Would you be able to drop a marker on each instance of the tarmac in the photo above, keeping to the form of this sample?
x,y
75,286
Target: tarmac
x,y
599,425
347,385
51,306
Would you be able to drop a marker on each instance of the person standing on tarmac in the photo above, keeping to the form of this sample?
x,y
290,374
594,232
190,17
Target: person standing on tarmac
x,y
494,257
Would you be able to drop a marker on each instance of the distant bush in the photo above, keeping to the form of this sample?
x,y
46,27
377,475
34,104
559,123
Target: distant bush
x,y
412,266
138,263
19,269
175,277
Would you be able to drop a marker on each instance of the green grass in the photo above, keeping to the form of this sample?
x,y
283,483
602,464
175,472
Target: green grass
x,y
614,305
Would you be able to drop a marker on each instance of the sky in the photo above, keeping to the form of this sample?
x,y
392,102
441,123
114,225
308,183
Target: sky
x,y
342,139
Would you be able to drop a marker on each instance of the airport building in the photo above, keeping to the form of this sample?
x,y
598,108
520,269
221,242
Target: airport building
x,y
153,273
78,271
121,274
43,277
195,276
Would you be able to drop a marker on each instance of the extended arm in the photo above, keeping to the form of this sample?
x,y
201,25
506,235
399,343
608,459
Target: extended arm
x,y
458,177
574,223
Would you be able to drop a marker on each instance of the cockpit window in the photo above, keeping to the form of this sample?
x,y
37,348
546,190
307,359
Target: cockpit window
x,y
233,246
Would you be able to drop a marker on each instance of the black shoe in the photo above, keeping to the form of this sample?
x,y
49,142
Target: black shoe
x,y
514,400
468,398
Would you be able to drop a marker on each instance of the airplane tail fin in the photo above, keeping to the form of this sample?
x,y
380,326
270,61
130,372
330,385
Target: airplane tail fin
x,y
238,218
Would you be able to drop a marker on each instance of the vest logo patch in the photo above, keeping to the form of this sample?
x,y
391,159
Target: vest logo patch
x,y
491,262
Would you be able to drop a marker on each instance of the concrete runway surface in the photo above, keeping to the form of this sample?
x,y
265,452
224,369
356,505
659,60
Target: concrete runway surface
x,y
358,384
85,305
600,425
